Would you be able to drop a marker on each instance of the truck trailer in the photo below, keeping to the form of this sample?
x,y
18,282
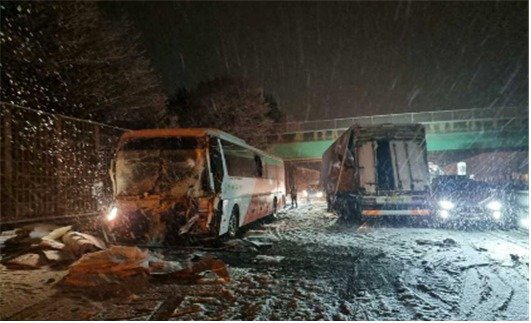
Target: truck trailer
x,y
379,170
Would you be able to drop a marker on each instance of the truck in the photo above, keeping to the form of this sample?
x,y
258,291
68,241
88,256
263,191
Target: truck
x,y
377,170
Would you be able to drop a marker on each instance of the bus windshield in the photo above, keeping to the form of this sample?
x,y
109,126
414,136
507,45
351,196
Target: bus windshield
x,y
147,166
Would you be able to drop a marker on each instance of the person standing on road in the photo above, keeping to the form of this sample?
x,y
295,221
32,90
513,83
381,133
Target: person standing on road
x,y
293,194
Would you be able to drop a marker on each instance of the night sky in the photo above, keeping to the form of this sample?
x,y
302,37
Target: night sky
x,y
341,59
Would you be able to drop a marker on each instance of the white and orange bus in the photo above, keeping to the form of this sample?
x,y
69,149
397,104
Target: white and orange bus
x,y
190,182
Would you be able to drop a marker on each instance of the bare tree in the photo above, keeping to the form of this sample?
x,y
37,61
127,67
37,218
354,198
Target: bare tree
x,y
234,105
66,57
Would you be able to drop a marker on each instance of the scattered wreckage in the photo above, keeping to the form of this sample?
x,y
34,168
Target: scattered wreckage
x,y
91,263
174,183
36,245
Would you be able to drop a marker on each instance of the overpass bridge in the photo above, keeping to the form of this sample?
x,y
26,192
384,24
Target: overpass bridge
x,y
476,129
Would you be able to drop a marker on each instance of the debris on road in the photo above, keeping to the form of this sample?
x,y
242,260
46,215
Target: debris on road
x,y
119,263
57,233
80,243
25,261
445,243
206,270
108,271
39,245
107,266
260,244
58,256
269,259
239,245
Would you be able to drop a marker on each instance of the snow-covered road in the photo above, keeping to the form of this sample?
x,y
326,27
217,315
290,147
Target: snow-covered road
x,y
305,266
385,271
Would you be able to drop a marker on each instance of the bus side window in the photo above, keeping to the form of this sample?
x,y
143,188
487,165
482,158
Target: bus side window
x,y
259,166
216,164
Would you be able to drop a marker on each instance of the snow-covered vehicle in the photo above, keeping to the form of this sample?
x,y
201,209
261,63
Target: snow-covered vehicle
x,y
379,170
190,182
462,201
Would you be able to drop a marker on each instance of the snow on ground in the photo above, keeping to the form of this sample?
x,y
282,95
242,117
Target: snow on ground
x,y
305,266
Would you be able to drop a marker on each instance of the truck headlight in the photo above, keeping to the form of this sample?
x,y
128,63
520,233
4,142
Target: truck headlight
x,y
113,213
446,205
494,205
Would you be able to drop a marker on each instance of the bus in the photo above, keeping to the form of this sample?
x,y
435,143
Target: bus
x,y
181,182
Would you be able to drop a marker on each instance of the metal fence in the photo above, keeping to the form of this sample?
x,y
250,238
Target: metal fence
x,y
52,165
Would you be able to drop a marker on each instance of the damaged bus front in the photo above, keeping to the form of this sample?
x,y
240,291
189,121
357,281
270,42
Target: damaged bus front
x,y
170,183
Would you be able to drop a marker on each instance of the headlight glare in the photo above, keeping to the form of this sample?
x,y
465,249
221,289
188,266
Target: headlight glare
x,y
494,205
446,205
112,214
319,194
305,193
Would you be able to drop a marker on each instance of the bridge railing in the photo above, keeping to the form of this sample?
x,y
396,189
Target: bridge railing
x,y
476,114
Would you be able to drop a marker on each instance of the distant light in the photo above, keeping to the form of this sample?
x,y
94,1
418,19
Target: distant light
x,y
112,214
461,168
305,193
319,194
494,205
496,215
446,205
444,214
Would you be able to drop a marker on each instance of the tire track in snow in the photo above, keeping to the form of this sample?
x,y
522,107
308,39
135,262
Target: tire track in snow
x,y
509,307
463,282
511,237
486,293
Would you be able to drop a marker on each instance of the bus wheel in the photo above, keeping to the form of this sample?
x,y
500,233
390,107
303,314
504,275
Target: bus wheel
x,y
233,224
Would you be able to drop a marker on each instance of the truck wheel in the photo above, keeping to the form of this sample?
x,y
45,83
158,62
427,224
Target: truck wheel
x,y
356,213
349,211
